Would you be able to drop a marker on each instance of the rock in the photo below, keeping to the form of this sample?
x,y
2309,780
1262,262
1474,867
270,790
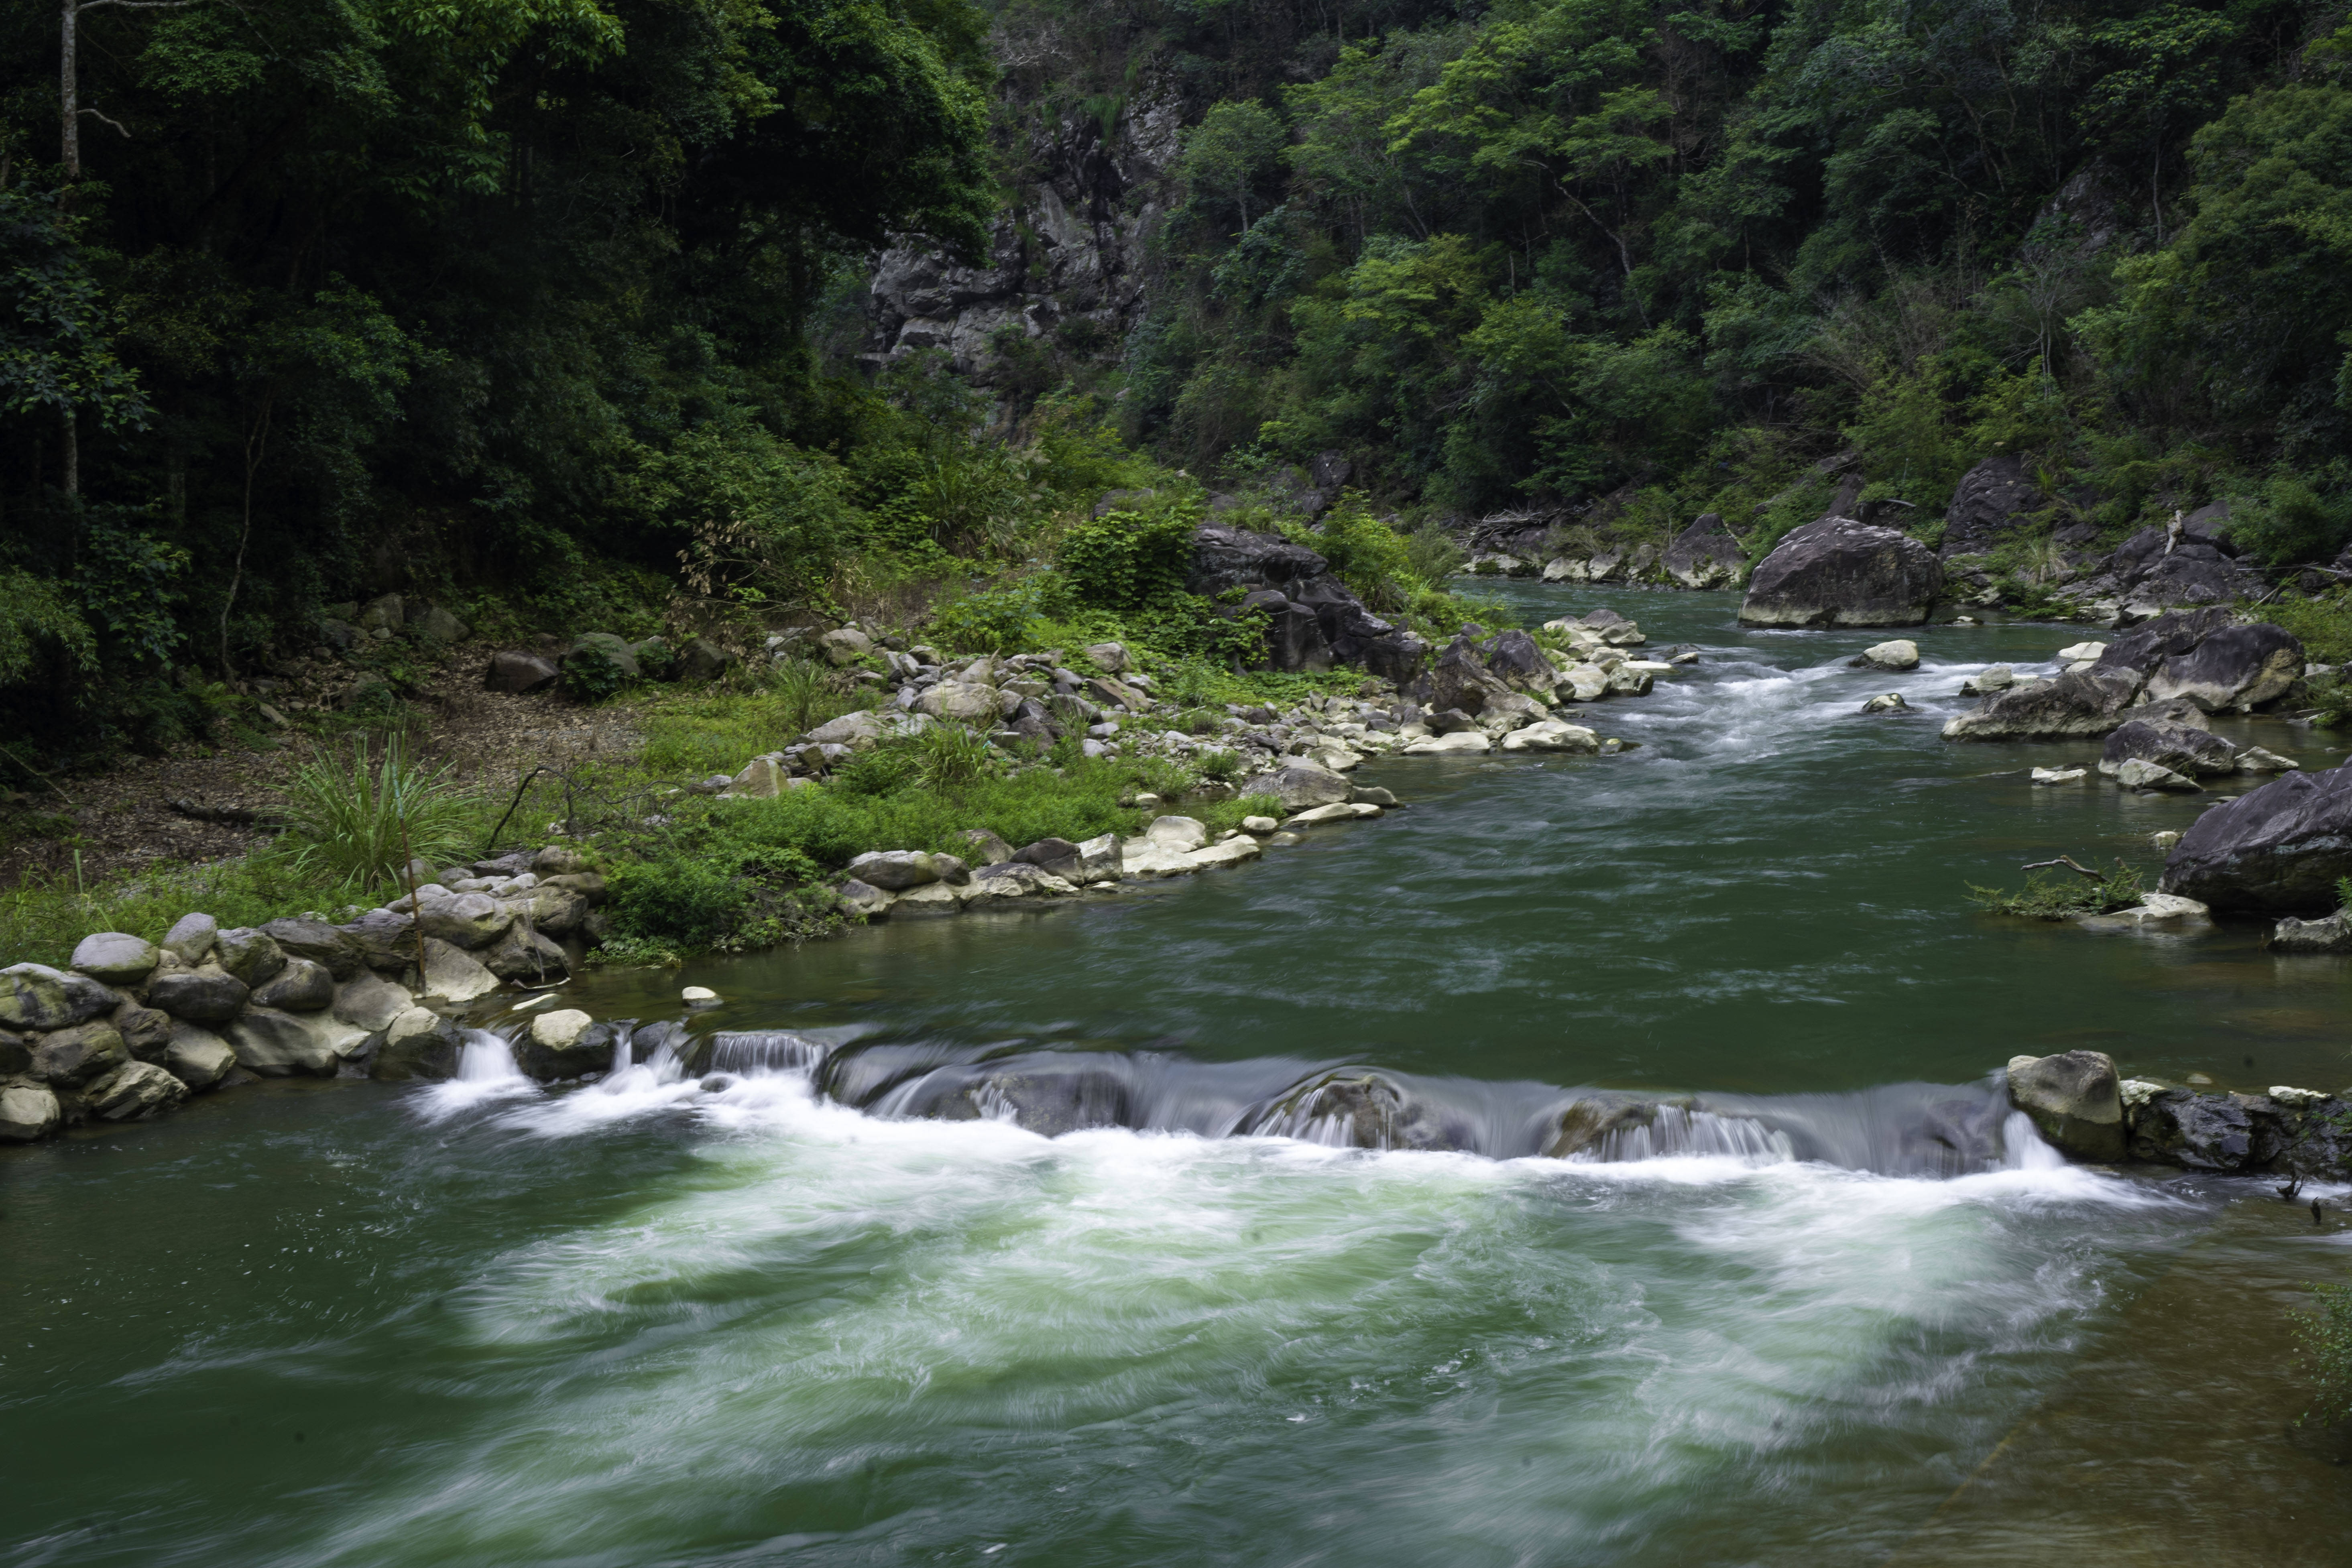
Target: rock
x,y
382,614
2083,653
304,986
385,941
1583,683
1901,653
1304,784
27,1114
2256,760
559,861
1548,735
863,901
1110,658
2154,909
761,779
1363,795
525,954
1993,502
895,870
2210,1132
1706,554
278,1044
1460,679
567,1043
1628,680
988,849
1100,858
518,673
2075,1100
146,1031
1841,572
1058,857
67,1058
551,911
418,1044
116,958
1985,682
206,995
470,921
35,996
2234,669
253,956
1345,811
846,647
2137,773
1515,658
2182,748
956,703
2278,849
1464,743
133,1091
323,944
1017,880
453,974
928,900
16,1054
197,1056
1176,833
1234,851
1885,703
2079,702
1261,825
192,938
592,654
702,661
857,730
2060,775
437,625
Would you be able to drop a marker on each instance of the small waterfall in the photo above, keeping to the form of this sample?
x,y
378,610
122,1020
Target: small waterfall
x,y
2024,1147
623,1033
487,1058
1679,1130
763,1052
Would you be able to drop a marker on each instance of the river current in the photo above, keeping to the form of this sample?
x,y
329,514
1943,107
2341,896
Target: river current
x,y
758,1318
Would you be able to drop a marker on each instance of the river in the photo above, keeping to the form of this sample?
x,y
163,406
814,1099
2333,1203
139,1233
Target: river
x,y
740,1322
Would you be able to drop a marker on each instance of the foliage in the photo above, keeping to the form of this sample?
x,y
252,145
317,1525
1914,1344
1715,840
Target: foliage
x,y
1126,559
2058,895
2324,1341
356,818
2323,623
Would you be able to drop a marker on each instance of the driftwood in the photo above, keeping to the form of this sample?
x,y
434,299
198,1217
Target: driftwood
x,y
2070,863
235,815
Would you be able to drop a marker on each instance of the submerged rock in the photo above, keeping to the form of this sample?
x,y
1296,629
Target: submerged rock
x,y
2329,933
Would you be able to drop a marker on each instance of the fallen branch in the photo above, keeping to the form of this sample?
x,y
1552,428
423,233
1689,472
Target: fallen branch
x,y
2070,863
235,815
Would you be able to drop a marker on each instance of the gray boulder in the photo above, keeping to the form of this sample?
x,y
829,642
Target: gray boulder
x,y
323,944
1993,503
1841,572
35,996
1303,787
527,955
71,1057
251,955
117,958
895,870
703,660
986,848
386,942
145,1031
192,937
519,674
2278,849
417,1045
270,1043
1707,555
1461,681
206,995
2075,1099
368,1000
198,1057
2184,749
2328,933
591,649
16,1054
2210,1132
2079,702
27,1114
304,986
1516,658
564,1044
2233,670
134,1090
462,920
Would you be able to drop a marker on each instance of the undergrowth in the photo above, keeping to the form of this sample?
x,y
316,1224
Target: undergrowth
x,y
2057,895
2324,1343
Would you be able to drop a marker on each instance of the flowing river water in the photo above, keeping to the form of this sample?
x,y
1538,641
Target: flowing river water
x,y
737,1321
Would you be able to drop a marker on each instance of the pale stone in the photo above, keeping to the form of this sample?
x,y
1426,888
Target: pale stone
x,y
278,1044
1261,825
1992,678
844,647
698,996
560,1030
197,1056
1461,742
2286,1095
369,1001
1582,682
1552,735
454,975
1228,852
895,870
1110,658
134,1090
930,898
1176,833
2253,760
27,1114
116,957
192,937
1141,859
1885,703
1896,652
760,780
2082,652
2060,775
2137,772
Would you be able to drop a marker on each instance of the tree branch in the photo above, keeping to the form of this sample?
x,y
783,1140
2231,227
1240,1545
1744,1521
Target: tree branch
x,y
2069,862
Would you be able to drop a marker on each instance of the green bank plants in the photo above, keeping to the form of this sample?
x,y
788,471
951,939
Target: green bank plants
x,y
2060,894
356,813
2323,1345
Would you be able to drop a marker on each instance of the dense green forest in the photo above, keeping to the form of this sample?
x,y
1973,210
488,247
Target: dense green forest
x,y
553,311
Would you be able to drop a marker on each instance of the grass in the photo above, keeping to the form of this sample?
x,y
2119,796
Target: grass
x,y
2324,1343
2058,894
43,919
2323,623
354,819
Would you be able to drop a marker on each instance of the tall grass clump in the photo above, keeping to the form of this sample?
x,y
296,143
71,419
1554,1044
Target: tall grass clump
x,y
2053,895
354,819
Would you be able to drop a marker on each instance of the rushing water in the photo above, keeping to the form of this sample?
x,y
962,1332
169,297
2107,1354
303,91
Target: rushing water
x,y
1841,1310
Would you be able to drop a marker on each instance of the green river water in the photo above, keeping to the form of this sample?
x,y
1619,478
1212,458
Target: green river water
x,y
736,1321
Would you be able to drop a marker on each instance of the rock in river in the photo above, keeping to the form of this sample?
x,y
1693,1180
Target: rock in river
x,y
1841,572
2278,849
2075,1099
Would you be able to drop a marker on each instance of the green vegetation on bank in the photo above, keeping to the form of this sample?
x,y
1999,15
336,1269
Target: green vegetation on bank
x,y
2058,894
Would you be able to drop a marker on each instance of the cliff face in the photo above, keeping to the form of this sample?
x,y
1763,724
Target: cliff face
x,y
1065,259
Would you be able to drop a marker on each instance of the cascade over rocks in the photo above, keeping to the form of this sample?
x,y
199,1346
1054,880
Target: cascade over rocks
x,y
2278,849
1840,573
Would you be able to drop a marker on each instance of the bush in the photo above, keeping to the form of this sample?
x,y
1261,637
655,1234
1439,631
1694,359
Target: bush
x,y
592,675
1432,554
2058,895
357,821
2323,1338
2290,523
677,899
1126,559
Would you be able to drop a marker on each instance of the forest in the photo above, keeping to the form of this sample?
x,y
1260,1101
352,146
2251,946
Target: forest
x,y
556,312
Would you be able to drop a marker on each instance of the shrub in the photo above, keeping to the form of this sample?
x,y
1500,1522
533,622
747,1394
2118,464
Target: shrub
x,y
592,675
677,899
357,821
1126,559
2057,895
1432,554
1222,766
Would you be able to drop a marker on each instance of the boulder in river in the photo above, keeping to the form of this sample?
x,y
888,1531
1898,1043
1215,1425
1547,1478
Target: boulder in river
x,y
197,1056
2075,1099
271,1044
2235,669
2182,747
133,1091
2328,933
1899,653
1885,703
2278,849
2137,772
1841,572
28,1113
2209,1132
2079,702
1304,784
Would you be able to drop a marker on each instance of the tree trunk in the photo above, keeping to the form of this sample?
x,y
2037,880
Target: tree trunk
x,y
69,93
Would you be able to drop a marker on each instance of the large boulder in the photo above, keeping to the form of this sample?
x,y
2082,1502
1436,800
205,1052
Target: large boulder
x,y
469,921
961,702
518,673
251,955
417,1043
2278,849
1224,558
1707,555
2233,670
1303,787
1461,681
454,974
1289,581
1993,502
198,1057
592,653
2152,570
386,942
527,955
2209,1132
895,870
368,1000
27,1114
67,1058
1516,658
205,995
1841,572
326,945
2185,749
566,1043
145,1031
192,937
2079,702
133,1091
35,996
270,1043
304,986
117,958
2075,1100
